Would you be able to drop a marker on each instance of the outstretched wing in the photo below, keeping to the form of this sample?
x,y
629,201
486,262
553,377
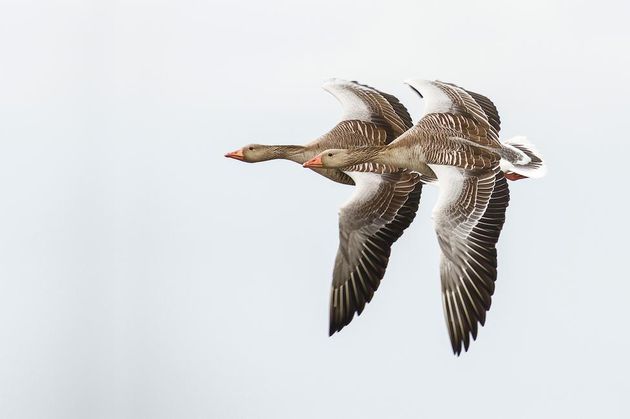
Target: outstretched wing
x,y
468,217
382,207
460,110
365,103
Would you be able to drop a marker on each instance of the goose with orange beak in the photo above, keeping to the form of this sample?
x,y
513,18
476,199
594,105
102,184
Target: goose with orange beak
x,y
383,205
458,140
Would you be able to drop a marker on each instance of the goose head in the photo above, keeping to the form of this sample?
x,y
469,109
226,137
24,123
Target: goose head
x,y
253,153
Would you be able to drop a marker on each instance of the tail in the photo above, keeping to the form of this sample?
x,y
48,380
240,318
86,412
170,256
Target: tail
x,y
519,159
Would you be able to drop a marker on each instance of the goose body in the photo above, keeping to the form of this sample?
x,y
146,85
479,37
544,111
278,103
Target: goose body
x,y
384,202
457,139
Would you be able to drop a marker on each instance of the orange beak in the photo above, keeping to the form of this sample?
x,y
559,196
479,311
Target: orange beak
x,y
314,162
237,154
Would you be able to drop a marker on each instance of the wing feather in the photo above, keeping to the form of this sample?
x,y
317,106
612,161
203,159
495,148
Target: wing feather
x,y
464,111
383,206
469,216
364,103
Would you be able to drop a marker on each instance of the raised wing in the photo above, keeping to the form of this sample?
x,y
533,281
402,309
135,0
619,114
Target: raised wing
x,y
468,217
381,208
365,103
467,112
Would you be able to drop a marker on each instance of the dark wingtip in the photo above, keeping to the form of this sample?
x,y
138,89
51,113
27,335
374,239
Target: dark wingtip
x,y
333,329
416,90
457,350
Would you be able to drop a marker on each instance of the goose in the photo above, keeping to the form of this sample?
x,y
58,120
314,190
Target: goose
x,y
384,202
457,138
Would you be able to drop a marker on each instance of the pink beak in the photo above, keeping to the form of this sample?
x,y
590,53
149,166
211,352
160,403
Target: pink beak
x,y
314,162
237,154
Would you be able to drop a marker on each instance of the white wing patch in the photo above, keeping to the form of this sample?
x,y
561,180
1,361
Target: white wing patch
x,y
435,100
450,180
353,106
366,185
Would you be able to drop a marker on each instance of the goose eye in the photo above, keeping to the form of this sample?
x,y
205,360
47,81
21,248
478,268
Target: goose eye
x,y
329,154
251,148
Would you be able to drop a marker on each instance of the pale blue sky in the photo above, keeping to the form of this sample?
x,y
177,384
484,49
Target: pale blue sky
x,y
143,275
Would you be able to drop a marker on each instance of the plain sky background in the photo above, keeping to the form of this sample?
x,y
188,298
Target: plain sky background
x,y
143,275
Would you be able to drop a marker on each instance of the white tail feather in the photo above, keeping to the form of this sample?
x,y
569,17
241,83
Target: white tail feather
x,y
520,156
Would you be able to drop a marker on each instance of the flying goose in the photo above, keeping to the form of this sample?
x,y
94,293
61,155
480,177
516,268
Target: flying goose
x,y
384,202
458,139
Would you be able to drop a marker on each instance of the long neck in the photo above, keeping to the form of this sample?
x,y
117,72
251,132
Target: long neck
x,y
392,156
401,157
370,154
296,153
